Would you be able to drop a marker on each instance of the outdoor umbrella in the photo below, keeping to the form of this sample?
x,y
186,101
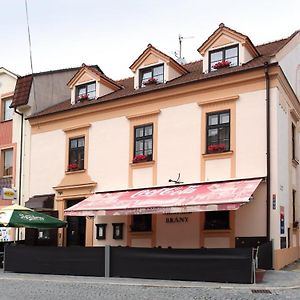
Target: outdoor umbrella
x,y
20,216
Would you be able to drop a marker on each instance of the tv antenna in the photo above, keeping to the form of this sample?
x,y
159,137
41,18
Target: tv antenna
x,y
180,39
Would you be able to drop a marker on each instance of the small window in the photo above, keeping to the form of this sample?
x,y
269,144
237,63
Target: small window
x,y
143,143
218,132
86,91
152,75
117,231
7,112
101,231
293,141
76,154
7,162
216,220
141,223
224,57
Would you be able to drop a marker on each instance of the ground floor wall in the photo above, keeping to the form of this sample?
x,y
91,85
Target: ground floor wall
x,y
285,256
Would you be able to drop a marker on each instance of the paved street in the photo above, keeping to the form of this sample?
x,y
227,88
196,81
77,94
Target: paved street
x,y
277,285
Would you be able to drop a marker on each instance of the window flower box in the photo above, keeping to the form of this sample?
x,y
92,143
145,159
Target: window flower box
x,y
139,158
150,81
221,64
83,97
73,167
216,148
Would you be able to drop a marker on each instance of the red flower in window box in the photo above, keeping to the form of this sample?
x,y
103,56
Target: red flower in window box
x,y
73,167
151,80
221,64
83,97
139,158
216,148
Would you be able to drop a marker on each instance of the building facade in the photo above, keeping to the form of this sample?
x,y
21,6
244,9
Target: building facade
x,y
232,116
7,147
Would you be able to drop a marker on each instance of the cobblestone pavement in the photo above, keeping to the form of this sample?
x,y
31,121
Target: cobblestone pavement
x,y
277,285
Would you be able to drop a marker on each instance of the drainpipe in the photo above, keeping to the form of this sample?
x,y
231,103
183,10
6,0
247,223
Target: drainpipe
x,y
267,78
21,162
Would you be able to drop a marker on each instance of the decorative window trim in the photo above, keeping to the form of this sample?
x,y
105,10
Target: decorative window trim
x,y
85,85
219,147
3,102
101,231
73,167
143,157
151,68
118,231
223,49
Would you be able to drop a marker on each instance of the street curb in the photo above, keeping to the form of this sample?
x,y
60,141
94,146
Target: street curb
x,y
103,280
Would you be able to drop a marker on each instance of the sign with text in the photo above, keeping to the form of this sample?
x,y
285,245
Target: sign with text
x,y
8,194
179,199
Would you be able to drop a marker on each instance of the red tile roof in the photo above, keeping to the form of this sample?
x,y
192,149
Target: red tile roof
x,y
22,91
195,75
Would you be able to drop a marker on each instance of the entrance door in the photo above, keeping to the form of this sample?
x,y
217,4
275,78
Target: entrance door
x,y
76,228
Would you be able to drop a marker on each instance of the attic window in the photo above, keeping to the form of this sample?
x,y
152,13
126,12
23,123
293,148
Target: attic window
x,y
227,54
152,75
86,91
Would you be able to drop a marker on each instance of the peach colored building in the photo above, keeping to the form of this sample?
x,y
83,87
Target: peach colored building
x,y
233,115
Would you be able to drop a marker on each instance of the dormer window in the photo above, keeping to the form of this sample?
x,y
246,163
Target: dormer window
x,y
152,75
224,57
86,91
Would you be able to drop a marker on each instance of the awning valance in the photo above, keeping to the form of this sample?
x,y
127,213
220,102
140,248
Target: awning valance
x,y
228,195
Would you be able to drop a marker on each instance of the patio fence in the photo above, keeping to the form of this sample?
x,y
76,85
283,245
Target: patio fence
x,y
215,265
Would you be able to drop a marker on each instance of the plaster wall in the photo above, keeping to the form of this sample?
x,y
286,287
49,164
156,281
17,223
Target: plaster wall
x,y
109,230
217,169
289,60
251,217
251,135
178,235
50,89
47,163
179,144
108,153
7,83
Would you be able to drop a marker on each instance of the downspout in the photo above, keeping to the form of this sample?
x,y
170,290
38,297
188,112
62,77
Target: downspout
x,y
21,156
268,132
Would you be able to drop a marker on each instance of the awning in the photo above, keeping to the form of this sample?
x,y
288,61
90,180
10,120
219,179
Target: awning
x,y
216,196
41,202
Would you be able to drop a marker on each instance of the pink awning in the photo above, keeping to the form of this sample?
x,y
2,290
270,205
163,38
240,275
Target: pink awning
x,y
177,199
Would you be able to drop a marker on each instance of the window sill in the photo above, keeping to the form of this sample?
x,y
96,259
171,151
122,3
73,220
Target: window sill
x,y
139,233
6,121
75,172
217,231
142,164
295,162
218,154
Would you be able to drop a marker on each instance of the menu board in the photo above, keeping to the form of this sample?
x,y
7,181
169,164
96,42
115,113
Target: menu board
x,y
7,234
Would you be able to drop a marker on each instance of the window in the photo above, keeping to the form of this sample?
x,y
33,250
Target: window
x,y
117,231
152,75
86,91
293,141
216,220
76,154
143,143
101,231
230,54
218,132
7,111
141,223
7,162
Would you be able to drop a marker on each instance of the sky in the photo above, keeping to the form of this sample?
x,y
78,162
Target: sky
x,y
112,34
